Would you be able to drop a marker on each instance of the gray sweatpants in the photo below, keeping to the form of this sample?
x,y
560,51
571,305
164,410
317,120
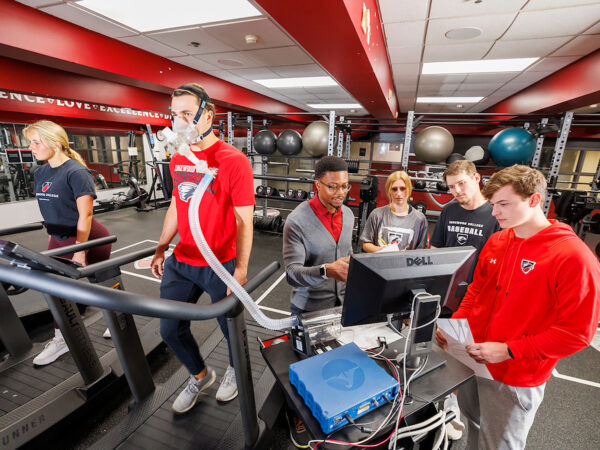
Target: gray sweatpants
x,y
499,415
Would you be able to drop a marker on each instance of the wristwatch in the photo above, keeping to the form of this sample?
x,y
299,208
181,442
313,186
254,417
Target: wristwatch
x,y
323,271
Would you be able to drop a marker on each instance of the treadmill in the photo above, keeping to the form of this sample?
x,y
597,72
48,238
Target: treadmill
x,y
33,399
241,423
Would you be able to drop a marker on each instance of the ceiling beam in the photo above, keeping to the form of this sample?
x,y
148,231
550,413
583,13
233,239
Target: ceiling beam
x,y
32,36
331,32
572,87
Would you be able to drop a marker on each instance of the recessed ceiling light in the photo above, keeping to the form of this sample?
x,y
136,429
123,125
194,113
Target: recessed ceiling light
x,y
147,15
480,66
461,34
334,105
449,99
230,62
460,106
296,82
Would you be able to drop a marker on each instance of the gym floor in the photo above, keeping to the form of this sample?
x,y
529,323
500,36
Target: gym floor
x,y
568,417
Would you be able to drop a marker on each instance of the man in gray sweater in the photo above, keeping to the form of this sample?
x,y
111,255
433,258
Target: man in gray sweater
x,y
317,241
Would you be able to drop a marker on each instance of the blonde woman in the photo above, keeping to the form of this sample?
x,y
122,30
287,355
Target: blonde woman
x,y
65,192
398,222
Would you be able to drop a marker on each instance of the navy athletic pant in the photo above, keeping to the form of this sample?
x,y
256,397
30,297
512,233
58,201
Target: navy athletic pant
x,y
186,283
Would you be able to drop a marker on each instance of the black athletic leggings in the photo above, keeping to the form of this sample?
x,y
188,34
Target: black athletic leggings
x,y
93,255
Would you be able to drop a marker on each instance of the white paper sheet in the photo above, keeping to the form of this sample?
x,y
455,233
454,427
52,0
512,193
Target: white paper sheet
x,y
390,248
458,334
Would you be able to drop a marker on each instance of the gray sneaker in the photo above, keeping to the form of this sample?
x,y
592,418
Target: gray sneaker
x,y
188,397
228,389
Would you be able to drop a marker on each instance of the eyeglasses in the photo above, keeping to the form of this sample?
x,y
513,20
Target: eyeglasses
x,y
335,187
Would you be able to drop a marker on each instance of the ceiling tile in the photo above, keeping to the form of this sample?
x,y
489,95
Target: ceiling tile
x,y
88,20
194,63
552,22
405,89
232,34
456,52
151,46
492,28
181,39
594,29
280,56
426,91
406,73
38,3
317,90
403,10
227,60
462,8
440,79
404,34
530,48
410,54
490,77
550,4
580,46
255,74
552,63
528,78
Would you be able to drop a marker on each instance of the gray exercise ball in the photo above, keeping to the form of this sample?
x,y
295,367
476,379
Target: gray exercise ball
x,y
265,142
434,145
478,155
289,142
316,138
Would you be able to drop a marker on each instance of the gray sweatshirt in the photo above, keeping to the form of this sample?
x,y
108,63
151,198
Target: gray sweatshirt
x,y
307,245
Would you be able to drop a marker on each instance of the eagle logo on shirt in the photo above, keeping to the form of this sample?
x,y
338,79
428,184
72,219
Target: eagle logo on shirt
x,y
527,266
46,186
186,190
461,238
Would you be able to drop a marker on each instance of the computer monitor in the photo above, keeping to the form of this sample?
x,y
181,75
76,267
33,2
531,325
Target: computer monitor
x,y
395,283
383,283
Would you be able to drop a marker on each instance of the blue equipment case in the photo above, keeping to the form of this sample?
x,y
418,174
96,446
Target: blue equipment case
x,y
339,382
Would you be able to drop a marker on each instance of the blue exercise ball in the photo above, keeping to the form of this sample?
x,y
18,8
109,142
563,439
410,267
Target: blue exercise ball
x,y
512,146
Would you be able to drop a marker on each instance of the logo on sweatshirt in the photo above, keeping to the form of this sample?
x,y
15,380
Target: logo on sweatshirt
x,y
527,266
46,186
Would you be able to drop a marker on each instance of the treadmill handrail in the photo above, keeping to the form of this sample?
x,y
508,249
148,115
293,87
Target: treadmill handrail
x,y
21,228
118,261
80,246
127,302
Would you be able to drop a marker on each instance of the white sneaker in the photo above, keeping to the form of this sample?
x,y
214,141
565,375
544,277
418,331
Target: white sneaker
x,y
456,426
106,334
228,389
53,349
188,397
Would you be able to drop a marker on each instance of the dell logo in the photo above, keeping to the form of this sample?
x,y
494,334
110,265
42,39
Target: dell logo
x,y
425,261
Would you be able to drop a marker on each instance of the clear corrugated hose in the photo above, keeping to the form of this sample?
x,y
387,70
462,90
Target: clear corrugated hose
x,y
215,264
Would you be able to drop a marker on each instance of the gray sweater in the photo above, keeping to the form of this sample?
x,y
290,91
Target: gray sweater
x,y
307,245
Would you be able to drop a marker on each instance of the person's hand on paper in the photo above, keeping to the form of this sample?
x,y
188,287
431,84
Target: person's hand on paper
x,y
488,352
441,339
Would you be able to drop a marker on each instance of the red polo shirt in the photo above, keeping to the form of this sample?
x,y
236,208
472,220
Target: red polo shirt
x,y
333,222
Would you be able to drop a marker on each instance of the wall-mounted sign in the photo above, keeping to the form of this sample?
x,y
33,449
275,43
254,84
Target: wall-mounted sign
x,y
52,106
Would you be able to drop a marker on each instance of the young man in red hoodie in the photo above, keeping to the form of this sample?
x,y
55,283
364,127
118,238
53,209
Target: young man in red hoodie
x,y
534,299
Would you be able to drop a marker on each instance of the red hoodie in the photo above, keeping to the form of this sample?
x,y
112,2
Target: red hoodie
x,y
540,295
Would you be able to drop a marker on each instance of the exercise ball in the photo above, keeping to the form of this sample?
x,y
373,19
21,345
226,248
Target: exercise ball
x,y
512,146
315,138
434,144
455,157
478,155
265,142
289,142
